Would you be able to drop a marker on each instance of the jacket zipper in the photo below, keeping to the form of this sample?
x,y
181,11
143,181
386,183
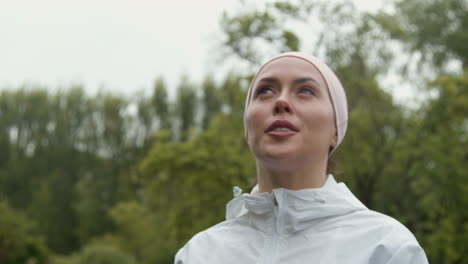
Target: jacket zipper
x,y
270,251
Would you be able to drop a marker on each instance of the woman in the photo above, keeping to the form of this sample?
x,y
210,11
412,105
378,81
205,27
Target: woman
x,y
295,117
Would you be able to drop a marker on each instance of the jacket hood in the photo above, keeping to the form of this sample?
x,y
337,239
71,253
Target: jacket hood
x,y
294,210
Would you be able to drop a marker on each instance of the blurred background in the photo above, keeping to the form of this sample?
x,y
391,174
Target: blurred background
x,y
121,131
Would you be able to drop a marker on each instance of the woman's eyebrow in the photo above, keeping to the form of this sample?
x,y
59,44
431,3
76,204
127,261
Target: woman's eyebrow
x,y
296,81
270,79
306,79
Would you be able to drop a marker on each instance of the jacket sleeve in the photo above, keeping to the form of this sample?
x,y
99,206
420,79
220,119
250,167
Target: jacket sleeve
x,y
409,253
180,256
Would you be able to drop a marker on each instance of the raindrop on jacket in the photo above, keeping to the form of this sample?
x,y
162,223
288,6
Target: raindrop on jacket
x,y
323,225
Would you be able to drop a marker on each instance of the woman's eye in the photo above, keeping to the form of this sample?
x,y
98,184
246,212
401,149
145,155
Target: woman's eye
x,y
307,90
265,90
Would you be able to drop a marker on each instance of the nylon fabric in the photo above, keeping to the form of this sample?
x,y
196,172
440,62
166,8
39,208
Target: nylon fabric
x,y
322,225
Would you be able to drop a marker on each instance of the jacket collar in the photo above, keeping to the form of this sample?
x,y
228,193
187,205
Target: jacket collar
x,y
293,210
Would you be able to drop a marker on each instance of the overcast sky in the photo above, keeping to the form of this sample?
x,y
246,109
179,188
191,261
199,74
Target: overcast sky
x,y
119,45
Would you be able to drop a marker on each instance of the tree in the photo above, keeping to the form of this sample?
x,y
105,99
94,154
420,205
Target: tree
x,y
101,254
19,242
233,93
374,124
436,29
136,232
443,153
68,159
186,106
253,28
161,104
211,101
183,179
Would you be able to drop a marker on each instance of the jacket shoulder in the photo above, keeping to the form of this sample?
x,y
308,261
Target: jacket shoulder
x,y
389,227
394,242
212,238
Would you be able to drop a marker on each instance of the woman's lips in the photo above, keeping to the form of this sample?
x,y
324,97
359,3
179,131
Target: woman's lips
x,y
281,133
281,128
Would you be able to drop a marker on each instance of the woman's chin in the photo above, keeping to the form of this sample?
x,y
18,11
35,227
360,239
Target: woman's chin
x,y
279,153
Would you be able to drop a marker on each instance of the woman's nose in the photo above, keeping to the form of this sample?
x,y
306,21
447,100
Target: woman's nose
x,y
282,106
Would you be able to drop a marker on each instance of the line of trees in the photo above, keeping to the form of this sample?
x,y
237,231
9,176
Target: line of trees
x,y
67,158
112,179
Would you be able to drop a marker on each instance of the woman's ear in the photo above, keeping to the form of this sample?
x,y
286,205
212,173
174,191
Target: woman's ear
x,y
333,144
334,140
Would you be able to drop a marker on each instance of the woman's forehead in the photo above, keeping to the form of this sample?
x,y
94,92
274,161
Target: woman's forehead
x,y
290,67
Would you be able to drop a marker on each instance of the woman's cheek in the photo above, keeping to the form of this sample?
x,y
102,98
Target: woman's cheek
x,y
256,118
250,118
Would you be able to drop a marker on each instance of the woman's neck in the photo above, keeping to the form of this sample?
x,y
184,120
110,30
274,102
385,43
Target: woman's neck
x,y
279,174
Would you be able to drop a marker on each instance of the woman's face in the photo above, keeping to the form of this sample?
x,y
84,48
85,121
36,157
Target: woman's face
x,y
290,114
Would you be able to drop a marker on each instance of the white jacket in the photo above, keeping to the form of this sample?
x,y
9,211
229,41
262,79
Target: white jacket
x,y
323,225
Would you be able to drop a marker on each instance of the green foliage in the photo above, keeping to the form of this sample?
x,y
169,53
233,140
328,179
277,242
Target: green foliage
x,y
211,101
187,103
444,151
374,124
182,179
339,33
136,231
19,242
161,104
66,155
101,254
264,27
233,93
436,28
253,25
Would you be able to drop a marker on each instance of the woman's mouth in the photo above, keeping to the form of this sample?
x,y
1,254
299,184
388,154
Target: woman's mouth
x,y
281,128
